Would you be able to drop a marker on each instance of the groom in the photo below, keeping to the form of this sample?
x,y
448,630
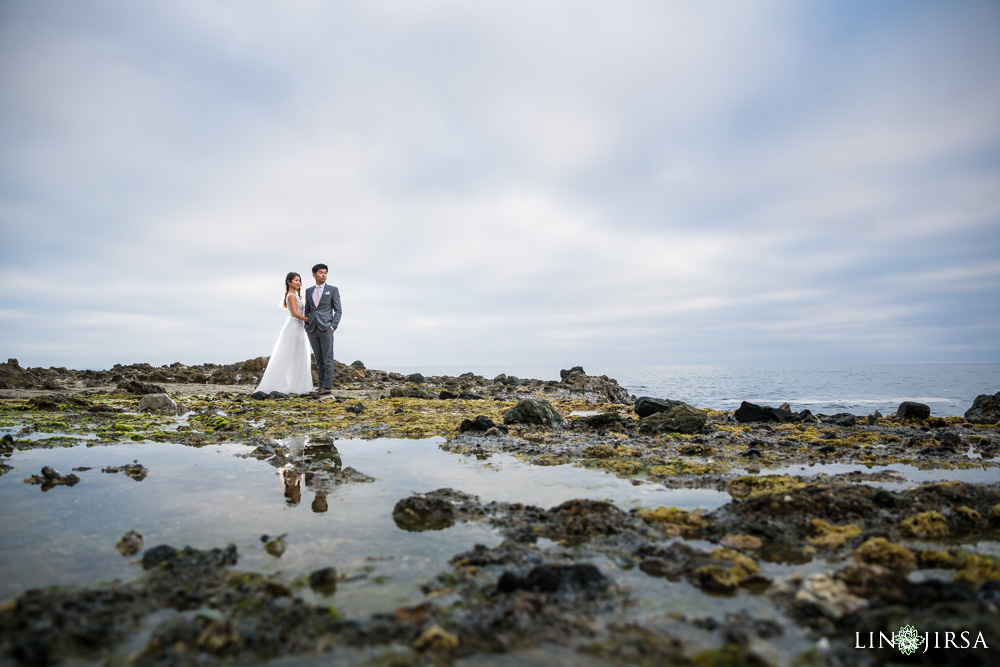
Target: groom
x,y
323,311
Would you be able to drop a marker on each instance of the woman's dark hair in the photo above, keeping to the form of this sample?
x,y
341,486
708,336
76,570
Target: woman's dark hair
x,y
288,281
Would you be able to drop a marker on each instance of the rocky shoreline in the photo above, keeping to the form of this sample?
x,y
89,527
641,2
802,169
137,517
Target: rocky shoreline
x,y
824,559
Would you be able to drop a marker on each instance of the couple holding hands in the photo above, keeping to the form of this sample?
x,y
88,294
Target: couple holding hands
x,y
311,323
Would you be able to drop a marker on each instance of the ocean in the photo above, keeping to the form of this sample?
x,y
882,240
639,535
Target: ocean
x,y
949,389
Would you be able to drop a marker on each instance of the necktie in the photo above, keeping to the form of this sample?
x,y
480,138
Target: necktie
x,y
317,293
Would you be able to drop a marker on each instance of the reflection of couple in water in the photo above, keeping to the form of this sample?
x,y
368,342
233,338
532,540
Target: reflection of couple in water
x,y
293,491
313,471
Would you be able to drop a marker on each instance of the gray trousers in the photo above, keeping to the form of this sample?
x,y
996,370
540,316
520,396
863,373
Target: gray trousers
x,y
322,345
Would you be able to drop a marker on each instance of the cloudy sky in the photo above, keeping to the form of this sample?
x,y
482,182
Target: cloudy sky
x,y
511,182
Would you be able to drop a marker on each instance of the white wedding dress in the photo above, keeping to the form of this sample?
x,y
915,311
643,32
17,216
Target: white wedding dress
x,y
288,370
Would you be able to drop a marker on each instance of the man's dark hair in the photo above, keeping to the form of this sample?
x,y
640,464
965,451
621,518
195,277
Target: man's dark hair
x,y
320,266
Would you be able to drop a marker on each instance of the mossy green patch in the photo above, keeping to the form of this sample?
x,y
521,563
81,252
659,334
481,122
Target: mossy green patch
x,y
880,551
622,467
676,522
929,525
680,467
976,569
830,536
752,485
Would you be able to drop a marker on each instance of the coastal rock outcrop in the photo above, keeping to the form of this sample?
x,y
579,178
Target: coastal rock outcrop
x,y
985,409
751,412
532,411
913,410
681,418
646,405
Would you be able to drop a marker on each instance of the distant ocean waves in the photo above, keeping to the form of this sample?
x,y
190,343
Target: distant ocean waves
x,y
949,389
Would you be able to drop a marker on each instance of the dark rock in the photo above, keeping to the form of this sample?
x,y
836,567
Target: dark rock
x,y
532,411
469,397
358,365
846,420
681,418
157,556
136,387
576,370
750,412
324,581
480,424
258,396
446,395
188,557
278,395
985,409
416,378
554,578
646,405
604,419
912,410
50,477
357,408
51,402
411,392
420,513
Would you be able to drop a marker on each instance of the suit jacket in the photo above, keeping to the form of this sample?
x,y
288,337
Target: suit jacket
x,y
327,314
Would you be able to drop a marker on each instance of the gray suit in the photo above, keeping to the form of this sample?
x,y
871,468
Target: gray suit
x,y
323,321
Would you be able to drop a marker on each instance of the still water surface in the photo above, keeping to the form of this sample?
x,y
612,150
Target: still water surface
x,y
208,497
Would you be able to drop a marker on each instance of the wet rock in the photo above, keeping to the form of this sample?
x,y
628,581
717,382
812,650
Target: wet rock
x,y
168,557
135,470
681,418
420,513
357,408
575,371
481,424
912,410
50,477
259,396
411,392
985,409
50,402
137,387
553,578
604,420
819,594
446,395
415,378
158,555
159,403
751,412
436,638
12,375
274,546
646,405
532,411
130,544
324,580
844,419
577,521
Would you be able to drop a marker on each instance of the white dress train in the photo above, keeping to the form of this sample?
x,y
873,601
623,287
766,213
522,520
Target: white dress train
x,y
288,370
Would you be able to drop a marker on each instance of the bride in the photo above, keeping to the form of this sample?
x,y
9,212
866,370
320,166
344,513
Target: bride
x,y
288,370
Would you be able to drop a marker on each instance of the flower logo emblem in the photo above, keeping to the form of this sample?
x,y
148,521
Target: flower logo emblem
x,y
908,640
